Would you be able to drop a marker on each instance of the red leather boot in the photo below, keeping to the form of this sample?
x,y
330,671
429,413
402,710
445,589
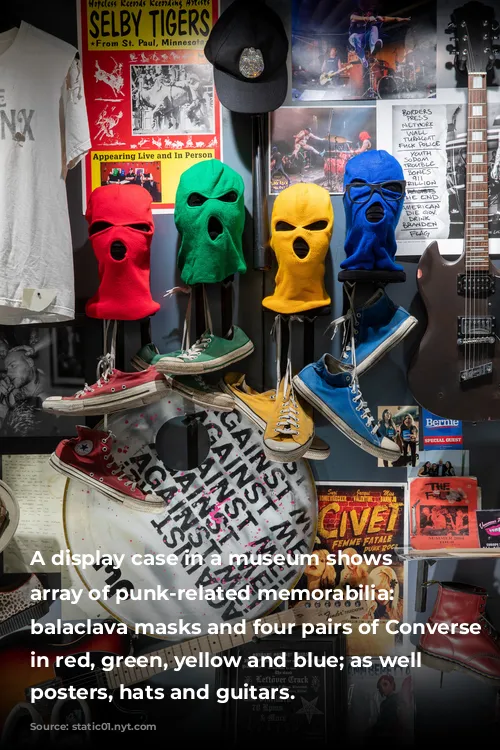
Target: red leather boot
x,y
476,654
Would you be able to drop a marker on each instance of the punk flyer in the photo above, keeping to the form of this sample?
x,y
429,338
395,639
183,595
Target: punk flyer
x,y
151,101
443,513
488,523
366,522
363,49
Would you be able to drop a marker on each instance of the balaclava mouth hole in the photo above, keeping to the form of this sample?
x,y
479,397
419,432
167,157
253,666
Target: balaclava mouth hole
x,y
301,248
215,228
375,212
118,250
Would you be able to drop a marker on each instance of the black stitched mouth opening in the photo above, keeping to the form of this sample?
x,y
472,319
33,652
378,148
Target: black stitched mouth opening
x,y
301,248
375,212
215,228
118,250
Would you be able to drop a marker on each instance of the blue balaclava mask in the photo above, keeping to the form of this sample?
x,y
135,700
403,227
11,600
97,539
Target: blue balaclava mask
x,y
371,219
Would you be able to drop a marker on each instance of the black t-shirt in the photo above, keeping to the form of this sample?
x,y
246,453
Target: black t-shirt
x,y
332,65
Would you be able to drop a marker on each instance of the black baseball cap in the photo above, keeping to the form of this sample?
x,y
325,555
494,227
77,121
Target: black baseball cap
x,y
248,48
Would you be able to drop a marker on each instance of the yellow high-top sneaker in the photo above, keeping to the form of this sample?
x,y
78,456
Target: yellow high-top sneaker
x,y
259,408
290,427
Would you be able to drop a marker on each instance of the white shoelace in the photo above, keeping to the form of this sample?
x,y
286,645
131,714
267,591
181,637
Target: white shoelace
x,y
348,324
198,347
288,422
105,365
120,474
362,407
116,470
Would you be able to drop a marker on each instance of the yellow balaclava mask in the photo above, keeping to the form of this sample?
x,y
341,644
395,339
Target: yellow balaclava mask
x,y
302,225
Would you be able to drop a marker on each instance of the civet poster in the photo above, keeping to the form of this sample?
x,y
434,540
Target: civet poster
x,y
359,519
151,101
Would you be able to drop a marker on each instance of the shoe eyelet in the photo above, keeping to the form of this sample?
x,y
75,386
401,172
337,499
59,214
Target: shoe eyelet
x,y
358,315
91,474
112,390
104,448
101,479
124,387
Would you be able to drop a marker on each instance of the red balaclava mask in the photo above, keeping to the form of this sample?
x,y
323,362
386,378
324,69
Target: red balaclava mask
x,y
121,229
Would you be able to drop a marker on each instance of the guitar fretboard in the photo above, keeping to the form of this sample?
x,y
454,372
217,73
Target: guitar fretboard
x,y
211,644
476,208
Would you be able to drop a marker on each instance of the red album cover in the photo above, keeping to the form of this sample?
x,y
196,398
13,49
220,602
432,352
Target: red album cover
x,y
443,513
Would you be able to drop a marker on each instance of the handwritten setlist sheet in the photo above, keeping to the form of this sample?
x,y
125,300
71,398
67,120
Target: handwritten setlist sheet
x,y
419,144
39,491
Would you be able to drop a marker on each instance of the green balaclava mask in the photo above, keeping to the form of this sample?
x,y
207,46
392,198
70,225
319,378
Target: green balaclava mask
x,y
210,217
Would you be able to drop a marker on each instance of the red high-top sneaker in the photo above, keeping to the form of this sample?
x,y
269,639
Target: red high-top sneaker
x,y
89,459
113,391
477,654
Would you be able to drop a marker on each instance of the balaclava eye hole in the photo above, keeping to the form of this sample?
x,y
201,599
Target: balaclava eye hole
x,y
394,187
317,226
284,226
196,199
99,226
230,197
140,227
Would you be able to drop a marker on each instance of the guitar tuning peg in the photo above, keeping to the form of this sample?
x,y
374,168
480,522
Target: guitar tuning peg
x,y
495,26
451,49
450,28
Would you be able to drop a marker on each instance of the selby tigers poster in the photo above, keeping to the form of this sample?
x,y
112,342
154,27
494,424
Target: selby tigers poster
x,y
152,107
368,520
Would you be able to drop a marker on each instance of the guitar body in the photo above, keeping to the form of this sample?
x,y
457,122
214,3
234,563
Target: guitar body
x,y
434,375
18,675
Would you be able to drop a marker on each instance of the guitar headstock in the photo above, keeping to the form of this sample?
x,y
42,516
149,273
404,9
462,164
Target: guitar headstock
x,y
475,28
322,611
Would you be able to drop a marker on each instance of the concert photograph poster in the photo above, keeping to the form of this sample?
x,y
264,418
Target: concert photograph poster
x,y
314,144
151,101
363,49
359,519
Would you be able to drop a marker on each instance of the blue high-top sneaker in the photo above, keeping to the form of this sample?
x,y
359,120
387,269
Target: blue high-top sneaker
x,y
332,388
373,329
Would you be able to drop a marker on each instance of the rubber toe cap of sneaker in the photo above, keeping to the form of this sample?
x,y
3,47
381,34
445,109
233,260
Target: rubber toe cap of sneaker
x,y
223,400
154,499
390,445
284,447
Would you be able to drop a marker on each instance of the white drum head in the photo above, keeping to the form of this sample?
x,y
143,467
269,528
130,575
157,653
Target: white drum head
x,y
234,502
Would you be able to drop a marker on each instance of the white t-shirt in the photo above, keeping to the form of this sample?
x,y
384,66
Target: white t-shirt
x,y
43,133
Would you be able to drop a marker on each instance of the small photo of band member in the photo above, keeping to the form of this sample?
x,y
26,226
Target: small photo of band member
x,y
363,49
315,144
401,424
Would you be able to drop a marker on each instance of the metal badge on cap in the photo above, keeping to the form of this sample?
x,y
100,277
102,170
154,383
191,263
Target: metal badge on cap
x,y
251,63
